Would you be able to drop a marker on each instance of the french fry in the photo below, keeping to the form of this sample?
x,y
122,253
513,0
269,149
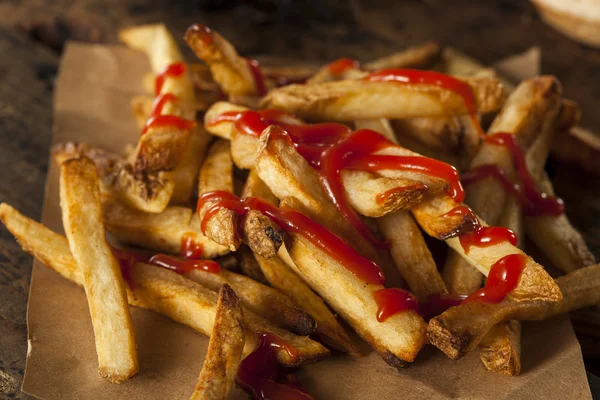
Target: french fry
x,y
158,289
398,339
101,277
248,264
162,148
500,349
281,277
263,300
229,70
345,100
460,329
185,174
150,192
224,349
217,174
163,232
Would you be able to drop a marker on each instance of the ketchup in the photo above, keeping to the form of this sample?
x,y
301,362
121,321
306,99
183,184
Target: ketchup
x,y
257,75
392,301
341,65
203,32
263,378
190,249
184,267
162,121
533,202
296,222
438,303
160,101
174,70
503,277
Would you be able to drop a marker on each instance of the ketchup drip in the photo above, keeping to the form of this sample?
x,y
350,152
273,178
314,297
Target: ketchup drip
x,y
341,65
160,101
174,70
296,222
162,121
127,260
393,301
190,249
184,267
533,202
257,75
503,277
263,378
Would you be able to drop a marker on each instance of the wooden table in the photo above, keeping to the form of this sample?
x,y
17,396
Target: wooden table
x,y
32,31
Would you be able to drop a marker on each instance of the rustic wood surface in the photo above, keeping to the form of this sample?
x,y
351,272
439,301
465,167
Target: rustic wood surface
x,y
32,33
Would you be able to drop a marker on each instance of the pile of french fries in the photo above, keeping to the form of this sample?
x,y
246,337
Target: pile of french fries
x,y
281,283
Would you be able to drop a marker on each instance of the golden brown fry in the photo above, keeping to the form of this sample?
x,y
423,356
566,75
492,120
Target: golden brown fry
x,y
458,330
248,264
500,349
557,238
185,174
281,277
432,216
228,69
263,300
345,100
225,348
162,148
158,289
162,232
524,114
216,173
397,339
101,276
222,130
150,192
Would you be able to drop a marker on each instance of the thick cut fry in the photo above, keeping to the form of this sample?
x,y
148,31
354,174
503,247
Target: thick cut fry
x,y
263,300
165,232
525,113
216,173
150,192
104,286
224,349
500,349
345,100
460,329
248,264
232,72
398,339
432,216
162,148
158,289
223,129
280,276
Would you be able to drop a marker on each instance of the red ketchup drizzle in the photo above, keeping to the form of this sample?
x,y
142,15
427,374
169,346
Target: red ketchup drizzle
x,y
190,249
174,70
341,65
533,202
481,236
263,378
160,101
392,301
184,267
413,76
503,277
257,75
296,222
127,260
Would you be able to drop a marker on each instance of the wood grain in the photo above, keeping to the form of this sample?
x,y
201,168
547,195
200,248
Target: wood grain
x,y
32,33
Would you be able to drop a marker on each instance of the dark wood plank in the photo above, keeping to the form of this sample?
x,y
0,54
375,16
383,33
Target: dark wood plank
x,y
315,30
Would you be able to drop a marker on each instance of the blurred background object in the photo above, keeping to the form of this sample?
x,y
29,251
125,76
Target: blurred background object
x,y
578,19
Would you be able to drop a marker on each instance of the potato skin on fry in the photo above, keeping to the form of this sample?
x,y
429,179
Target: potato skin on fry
x,y
102,280
224,349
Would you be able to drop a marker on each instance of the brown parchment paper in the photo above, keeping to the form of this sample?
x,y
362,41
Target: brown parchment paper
x,y
93,91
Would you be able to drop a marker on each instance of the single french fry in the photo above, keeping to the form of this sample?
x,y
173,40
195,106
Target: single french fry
x,y
185,174
222,130
150,192
281,277
224,349
158,289
345,100
263,300
229,70
500,349
460,329
162,148
398,339
432,216
104,286
248,264
163,232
